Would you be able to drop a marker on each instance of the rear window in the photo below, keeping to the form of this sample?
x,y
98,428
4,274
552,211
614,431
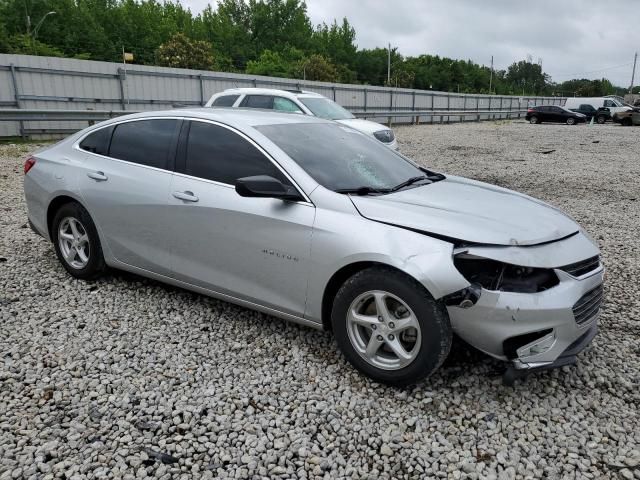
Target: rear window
x,y
146,142
98,141
225,101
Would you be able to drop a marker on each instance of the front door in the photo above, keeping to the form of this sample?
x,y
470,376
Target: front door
x,y
255,249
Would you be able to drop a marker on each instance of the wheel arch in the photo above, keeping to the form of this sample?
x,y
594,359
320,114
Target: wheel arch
x,y
55,204
338,279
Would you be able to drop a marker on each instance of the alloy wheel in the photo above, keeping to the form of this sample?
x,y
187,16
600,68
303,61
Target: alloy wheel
x,y
383,330
74,243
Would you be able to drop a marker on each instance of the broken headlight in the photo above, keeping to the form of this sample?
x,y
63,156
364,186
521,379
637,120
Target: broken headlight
x,y
504,277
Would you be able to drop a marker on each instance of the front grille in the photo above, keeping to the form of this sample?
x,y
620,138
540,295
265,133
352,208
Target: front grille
x,y
580,268
588,305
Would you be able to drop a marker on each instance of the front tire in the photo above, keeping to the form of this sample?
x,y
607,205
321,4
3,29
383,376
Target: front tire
x,y
571,121
601,119
76,242
389,327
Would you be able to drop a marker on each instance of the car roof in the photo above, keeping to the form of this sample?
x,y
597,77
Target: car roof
x,y
235,117
293,93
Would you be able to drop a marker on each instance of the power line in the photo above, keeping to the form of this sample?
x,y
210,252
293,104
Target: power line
x,y
593,71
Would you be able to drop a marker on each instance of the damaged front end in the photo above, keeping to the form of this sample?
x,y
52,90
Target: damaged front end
x,y
534,306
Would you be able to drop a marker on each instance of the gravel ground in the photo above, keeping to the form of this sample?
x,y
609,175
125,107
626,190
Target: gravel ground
x,y
127,378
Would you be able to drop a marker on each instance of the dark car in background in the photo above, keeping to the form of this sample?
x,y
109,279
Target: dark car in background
x,y
600,115
554,114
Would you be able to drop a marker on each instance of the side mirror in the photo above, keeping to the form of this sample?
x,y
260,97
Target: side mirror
x,y
265,186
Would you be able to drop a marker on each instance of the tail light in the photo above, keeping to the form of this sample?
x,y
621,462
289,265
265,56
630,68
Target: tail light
x,y
530,110
28,164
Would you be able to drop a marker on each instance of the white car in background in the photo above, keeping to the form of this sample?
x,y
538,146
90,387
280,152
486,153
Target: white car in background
x,y
301,101
612,104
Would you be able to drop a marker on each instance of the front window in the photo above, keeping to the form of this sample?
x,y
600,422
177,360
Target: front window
x,y
282,104
216,153
325,108
258,101
340,158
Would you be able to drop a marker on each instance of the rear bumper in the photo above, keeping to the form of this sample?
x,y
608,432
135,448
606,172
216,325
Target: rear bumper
x,y
536,330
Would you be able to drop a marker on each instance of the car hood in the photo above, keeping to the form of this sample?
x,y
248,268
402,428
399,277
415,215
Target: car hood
x,y
469,211
365,126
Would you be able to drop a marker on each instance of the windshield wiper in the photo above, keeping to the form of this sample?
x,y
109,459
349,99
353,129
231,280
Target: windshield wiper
x,y
408,182
433,176
362,190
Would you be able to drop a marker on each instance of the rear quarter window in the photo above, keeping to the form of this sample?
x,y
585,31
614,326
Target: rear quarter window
x,y
98,141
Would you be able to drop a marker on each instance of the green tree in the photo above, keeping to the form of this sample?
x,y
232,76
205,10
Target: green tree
x,y
336,42
270,37
279,24
527,77
319,68
4,39
181,52
229,29
272,64
26,45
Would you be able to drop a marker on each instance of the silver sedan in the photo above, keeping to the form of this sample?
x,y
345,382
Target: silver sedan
x,y
314,222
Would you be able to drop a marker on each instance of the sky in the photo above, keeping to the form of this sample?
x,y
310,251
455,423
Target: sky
x,y
573,38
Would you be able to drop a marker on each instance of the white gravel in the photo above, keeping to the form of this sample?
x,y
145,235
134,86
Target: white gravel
x,y
127,378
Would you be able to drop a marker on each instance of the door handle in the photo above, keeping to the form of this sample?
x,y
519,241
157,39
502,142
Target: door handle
x,y
187,196
99,176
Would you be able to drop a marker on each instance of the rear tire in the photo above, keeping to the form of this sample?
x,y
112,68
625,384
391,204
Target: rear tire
x,y
626,122
76,242
389,327
534,120
571,121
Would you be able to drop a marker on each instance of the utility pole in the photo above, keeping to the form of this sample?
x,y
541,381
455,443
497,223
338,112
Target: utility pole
x,y
633,73
389,66
491,75
28,18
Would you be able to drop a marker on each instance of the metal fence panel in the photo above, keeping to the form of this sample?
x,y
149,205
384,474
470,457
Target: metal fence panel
x,y
70,84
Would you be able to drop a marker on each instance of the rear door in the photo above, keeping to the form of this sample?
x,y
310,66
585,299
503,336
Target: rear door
x,y
125,186
255,249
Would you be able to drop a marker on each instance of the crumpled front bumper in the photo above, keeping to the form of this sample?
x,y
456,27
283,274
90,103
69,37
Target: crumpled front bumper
x,y
545,321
